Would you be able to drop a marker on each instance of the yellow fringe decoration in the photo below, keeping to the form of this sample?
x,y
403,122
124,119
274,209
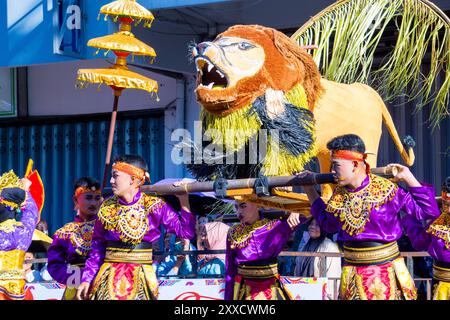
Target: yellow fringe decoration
x,y
235,130
117,77
123,41
280,162
297,96
130,9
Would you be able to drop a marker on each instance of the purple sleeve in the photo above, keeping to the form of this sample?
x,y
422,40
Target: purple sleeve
x,y
230,271
22,236
419,202
416,232
326,220
97,253
57,260
182,224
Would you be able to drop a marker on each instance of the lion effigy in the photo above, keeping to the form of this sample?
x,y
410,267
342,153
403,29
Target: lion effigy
x,y
253,78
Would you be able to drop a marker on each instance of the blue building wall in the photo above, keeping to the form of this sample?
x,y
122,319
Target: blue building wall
x,y
63,152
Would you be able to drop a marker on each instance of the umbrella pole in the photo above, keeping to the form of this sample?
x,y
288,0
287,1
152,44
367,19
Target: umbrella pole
x,y
112,127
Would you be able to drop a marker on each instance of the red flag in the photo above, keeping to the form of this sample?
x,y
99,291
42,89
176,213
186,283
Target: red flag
x,y
37,186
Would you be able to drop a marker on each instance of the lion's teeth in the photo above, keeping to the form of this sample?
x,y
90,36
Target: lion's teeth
x,y
220,73
210,66
210,86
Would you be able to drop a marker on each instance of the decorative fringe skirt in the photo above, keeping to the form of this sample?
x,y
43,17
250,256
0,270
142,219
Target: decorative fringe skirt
x,y
259,282
125,281
375,273
126,275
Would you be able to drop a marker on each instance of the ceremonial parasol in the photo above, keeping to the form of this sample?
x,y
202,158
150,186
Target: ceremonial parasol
x,y
123,44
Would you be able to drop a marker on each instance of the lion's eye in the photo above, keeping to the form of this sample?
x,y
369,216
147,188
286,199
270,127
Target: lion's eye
x,y
245,45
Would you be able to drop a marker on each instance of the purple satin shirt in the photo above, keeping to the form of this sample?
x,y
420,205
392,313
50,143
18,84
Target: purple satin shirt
x,y
384,223
61,254
421,240
265,243
21,237
183,225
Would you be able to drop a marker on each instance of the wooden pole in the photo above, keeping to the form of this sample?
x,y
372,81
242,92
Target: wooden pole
x,y
385,171
112,127
169,188
283,181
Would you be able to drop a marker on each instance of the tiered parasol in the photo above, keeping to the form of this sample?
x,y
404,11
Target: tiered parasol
x,y
123,43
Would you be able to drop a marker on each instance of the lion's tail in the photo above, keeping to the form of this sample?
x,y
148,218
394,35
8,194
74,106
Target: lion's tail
x,y
407,155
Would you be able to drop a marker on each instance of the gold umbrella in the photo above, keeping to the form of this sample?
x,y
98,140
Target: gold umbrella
x,y
122,43
117,78
128,9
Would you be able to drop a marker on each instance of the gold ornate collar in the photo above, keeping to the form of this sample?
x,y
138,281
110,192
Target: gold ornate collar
x,y
79,234
9,225
353,208
130,221
441,228
240,234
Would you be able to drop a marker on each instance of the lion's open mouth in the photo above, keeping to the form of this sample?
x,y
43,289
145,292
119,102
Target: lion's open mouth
x,y
209,75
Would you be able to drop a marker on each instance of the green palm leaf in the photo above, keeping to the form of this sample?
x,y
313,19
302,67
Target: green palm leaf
x,y
348,32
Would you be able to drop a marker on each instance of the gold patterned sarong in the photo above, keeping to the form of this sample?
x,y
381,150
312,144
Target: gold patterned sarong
x,y
375,273
126,275
259,282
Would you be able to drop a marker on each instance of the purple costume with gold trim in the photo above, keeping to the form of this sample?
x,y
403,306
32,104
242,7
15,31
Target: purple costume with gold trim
x,y
68,253
251,265
367,220
119,266
15,239
436,240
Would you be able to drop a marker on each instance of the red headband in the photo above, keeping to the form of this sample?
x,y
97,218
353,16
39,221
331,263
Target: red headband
x,y
82,190
132,171
351,155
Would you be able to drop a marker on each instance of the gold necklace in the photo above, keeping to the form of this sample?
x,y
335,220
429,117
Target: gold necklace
x,y
79,234
240,234
441,228
130,221
353,208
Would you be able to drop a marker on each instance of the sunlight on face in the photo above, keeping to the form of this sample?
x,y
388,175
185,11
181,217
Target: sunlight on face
x,y
88,203
344,170
247,212
121,182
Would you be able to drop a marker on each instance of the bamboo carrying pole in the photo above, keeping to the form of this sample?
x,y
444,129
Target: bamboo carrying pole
x,y
169,188
283,181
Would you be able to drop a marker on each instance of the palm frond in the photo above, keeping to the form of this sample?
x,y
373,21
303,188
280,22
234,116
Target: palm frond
x,y
348,32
